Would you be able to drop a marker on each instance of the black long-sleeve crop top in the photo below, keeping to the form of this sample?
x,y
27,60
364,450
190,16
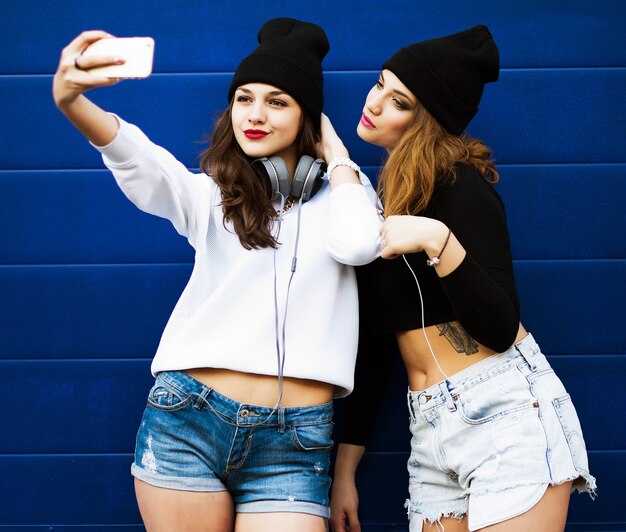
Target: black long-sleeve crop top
x,y
480,293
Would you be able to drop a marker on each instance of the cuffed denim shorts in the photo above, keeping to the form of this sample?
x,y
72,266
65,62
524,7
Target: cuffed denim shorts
x,y
489,440
195,439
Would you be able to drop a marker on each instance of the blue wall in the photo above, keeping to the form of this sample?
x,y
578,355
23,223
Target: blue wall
x,y
87,281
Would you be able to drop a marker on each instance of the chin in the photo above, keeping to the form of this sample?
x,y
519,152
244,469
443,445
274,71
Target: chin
x,y
362,132
366,135
254,151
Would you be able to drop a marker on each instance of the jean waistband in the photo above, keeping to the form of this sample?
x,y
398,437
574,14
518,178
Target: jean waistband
x,y
247,413
526,353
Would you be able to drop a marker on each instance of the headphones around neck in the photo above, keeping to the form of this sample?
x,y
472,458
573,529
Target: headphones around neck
x,y
306,181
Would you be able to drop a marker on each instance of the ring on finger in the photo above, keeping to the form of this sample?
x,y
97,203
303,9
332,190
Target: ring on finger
x,y
76,65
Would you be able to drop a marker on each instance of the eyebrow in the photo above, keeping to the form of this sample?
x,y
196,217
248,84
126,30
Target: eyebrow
x,y
271,93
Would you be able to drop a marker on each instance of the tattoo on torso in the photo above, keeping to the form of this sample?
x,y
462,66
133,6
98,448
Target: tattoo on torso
x,y
458,337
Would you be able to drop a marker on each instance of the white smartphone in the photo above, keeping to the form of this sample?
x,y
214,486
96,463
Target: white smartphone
x,y
137,52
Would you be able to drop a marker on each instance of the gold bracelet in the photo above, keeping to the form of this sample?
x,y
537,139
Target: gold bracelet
x,y
435,260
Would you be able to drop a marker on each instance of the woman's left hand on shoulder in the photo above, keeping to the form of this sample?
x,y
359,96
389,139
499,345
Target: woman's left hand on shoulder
x,y
411,234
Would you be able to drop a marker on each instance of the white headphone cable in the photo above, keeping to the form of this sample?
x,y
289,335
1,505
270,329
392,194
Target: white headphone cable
x,y
430,347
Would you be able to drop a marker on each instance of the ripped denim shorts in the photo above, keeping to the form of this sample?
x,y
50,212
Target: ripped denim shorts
x,y
489,440
194,439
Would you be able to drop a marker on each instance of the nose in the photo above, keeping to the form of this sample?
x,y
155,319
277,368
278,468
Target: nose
x,y
257,113
374,104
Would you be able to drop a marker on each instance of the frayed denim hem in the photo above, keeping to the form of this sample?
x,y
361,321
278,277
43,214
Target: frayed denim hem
x,y
433,517
584,483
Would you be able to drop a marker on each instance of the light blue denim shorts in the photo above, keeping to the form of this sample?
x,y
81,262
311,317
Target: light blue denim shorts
x,y
488,441
195,439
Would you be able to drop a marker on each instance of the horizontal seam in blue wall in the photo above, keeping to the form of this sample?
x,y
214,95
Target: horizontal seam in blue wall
x,y
197,170
373,72
189,264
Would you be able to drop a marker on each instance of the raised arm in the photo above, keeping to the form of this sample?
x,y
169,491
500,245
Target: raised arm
x,y
152,178
354,221
70,83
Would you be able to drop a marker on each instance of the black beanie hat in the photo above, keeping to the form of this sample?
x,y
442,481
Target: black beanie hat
x,y
447,75
289,56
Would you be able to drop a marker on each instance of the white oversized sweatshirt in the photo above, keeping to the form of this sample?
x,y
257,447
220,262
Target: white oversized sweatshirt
x,y
225,317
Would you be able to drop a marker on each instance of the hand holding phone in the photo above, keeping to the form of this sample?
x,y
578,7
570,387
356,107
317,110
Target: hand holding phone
x,y
137,53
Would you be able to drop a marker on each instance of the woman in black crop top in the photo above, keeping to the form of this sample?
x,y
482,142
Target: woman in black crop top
x,y
496,441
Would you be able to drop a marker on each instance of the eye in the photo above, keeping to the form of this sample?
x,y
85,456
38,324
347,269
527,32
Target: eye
x,y
379,84
278,103
399,104
243,98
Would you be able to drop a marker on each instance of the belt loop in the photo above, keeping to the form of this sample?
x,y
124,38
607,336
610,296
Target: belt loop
x,y
443,386
531,363
201,399
409,403
281,420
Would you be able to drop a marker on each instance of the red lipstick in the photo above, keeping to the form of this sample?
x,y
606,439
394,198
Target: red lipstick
x,y
255,133
366,122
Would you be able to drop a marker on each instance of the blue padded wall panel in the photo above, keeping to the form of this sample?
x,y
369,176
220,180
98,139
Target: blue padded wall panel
x,y
565,211
574,306
512,110
214,36
69,489
87,311
82,216
62,406
383,481
72,217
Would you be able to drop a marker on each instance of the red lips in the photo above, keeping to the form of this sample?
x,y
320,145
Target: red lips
x,y
255,133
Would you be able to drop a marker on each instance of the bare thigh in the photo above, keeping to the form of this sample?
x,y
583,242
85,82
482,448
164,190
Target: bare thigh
x,y
449,524
166,510
279,522
548,515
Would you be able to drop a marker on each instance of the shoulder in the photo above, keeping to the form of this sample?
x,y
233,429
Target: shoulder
x,y
464,189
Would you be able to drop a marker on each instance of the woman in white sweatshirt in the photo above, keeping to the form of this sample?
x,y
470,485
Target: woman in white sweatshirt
x,y
237,430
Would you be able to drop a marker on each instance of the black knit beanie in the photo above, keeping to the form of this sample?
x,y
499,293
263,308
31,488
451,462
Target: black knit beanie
x,y
447,75
289,56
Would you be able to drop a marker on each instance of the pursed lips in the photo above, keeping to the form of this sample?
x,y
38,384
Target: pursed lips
x,y
255,133
367,122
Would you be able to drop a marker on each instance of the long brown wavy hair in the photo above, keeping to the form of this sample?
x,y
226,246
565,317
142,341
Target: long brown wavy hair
x,y
245,194
426,154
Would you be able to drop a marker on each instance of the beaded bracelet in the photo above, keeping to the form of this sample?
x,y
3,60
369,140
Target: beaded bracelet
x,y
435,260
341,161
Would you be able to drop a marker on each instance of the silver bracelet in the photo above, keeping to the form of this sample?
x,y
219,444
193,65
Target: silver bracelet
x,y
436,260
341,161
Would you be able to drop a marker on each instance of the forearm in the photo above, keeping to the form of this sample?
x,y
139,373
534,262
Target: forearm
x,y
348,459
98,126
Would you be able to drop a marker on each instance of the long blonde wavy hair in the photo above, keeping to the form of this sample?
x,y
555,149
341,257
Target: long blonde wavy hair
x,y
426,154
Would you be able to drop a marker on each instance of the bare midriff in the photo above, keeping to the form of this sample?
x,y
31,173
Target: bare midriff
x,y
262,390
420,364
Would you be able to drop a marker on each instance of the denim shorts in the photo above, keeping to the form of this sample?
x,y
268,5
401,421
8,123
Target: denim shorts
x,y
489,440
195,439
